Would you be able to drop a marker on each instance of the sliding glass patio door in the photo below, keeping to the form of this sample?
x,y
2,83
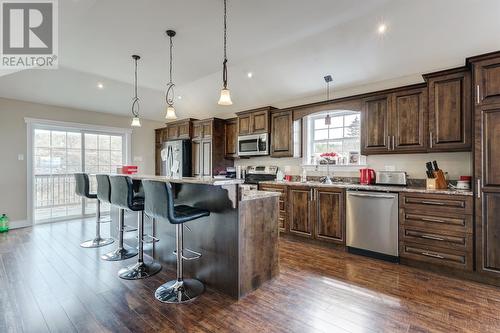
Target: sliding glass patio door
x,y
56,155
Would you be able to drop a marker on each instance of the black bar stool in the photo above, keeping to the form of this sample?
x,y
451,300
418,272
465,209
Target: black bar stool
x,y
121,253
82,188
159,204
123,196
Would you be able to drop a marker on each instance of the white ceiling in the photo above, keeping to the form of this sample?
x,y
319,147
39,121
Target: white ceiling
x,y
288,45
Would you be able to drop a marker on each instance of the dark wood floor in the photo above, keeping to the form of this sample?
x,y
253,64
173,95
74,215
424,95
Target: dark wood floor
x,y
49,283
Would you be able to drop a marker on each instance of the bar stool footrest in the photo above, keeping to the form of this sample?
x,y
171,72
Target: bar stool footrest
x,y
197,255
148,239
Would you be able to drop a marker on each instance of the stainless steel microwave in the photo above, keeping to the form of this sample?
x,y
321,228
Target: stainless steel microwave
x,y
253,145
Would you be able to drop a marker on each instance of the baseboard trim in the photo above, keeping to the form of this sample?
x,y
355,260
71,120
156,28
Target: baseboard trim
x,y
19,224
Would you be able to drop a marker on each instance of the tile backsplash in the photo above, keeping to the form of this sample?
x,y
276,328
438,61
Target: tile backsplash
x,y
456,164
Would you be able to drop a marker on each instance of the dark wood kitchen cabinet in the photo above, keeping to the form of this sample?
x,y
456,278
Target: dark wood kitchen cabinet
x,y
329,222
395,122
160,138
486,92
450,110
254,121
283,203
282,134
207,146
300,208
180,129
231,138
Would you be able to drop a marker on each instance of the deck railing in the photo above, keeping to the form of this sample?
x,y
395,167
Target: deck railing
x,y
53,190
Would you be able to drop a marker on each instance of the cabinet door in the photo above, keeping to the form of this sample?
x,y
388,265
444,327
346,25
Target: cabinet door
x,y
259,122
299,200
158,160
375,125
164,134
206,159
450,112
172,132
282,134
231,138
489,230
197,131
408,120
184,130
207,129
487,81
330,221
244,124
491,147
196,157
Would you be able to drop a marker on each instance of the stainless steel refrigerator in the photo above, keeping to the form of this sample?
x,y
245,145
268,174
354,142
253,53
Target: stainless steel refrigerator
x,y
176,158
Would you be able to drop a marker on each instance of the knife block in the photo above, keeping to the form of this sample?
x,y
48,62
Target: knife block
x,y
438,182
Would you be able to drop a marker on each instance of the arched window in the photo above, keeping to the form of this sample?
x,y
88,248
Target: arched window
x,y
341,136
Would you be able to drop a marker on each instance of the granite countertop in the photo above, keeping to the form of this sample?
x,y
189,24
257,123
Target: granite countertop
x,y
255,194
191,180
381,188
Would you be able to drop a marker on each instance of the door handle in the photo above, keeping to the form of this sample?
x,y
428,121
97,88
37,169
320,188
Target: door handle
x,y
430,139
478,99
372,196
479,188
388,142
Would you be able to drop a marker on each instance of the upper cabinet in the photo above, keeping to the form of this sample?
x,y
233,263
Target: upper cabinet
x,y
394,122
450,110
254,121
282,134
180,129
231,138
487,81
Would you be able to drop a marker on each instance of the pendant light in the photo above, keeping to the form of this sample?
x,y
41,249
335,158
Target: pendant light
x,y
225,95
328,122
169,96
136,122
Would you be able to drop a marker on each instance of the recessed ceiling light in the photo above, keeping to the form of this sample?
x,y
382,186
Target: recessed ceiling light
x,y
100,85
249,75
382,28
179,97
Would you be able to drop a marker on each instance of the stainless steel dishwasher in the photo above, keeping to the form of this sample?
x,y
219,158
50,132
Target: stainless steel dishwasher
x,y
372,224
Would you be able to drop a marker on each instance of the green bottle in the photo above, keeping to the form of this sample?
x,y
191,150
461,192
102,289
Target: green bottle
x,y
4,223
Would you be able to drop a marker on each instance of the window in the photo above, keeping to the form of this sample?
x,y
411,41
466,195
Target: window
x,y
57,154
342,137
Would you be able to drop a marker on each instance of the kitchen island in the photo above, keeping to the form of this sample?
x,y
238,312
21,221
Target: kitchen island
x,y
238,241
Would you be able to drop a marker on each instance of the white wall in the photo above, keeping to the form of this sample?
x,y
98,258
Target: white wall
x,y
456,164
13,173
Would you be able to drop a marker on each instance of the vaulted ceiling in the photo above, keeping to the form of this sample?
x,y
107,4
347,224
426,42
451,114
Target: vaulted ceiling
x,y
288,45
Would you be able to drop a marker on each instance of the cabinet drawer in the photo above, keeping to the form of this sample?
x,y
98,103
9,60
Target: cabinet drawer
x,y
437,202
445,239
435,255
437,221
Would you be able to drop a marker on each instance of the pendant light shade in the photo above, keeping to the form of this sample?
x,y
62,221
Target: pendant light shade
x,y
136,122
169,95
225,97
170,114
225,94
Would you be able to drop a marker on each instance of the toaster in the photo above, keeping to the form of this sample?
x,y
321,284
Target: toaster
x,y
391,178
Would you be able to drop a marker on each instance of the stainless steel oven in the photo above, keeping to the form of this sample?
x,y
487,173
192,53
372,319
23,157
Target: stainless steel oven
x,y
253,145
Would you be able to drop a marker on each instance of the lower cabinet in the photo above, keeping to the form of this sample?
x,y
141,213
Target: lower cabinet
x,y
436,229
300,209
316,213
330,215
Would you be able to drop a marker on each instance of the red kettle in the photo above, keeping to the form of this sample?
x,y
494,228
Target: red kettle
x,y
366,176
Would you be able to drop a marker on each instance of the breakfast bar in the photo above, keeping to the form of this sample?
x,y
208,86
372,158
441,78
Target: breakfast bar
x,y
238,241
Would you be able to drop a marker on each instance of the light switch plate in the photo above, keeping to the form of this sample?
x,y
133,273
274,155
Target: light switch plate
x,y
20,157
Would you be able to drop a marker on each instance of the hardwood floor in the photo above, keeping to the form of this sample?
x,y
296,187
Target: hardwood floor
x,y
49,283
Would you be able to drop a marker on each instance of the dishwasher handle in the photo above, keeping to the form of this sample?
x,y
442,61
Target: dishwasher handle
x,y
378,196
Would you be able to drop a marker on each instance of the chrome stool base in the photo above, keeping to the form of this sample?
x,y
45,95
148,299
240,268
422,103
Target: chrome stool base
x,y
97,242
139,270
119,254
179,291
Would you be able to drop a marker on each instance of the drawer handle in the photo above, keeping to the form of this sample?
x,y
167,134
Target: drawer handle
x,y
433,203
433,255
428,219
432,237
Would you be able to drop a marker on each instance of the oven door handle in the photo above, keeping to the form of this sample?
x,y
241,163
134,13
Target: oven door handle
x,y
372,196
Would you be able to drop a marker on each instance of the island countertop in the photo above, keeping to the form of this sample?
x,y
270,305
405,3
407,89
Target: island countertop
x,y
191,180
